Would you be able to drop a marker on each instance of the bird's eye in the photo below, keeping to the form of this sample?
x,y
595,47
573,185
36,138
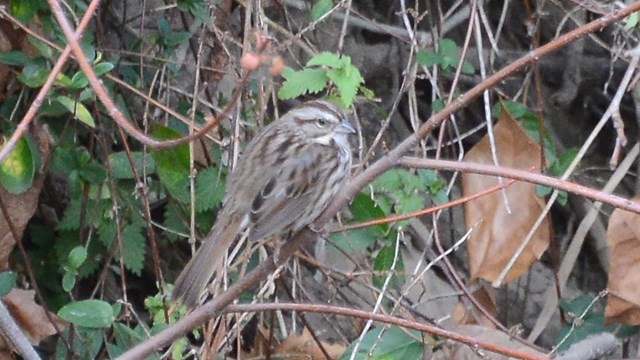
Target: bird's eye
x,y
321,122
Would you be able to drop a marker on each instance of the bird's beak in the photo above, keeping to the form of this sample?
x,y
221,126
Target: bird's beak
x,y
346,127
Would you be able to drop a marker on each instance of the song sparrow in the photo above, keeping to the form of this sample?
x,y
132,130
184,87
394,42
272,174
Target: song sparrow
x,y
284,180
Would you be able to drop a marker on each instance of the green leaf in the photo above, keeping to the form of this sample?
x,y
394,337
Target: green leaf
x,y
121,168
7,282
23,10
389,180
320,8
632,21
169,37
86,344
172,164
88,313
13,58
448,47
298,83
210,187
17,170
325,59
177,38
93,173
68,281
71,218
366,92
77,256
126,337
43,48
558,167
364,209
107,233
383,262
163,27
355,241
34,73
516,110
103,68
468,68
428,58
347,81
408,202
78,110
388,344
134,249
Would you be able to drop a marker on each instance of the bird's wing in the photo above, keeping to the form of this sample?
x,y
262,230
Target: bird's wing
x,y
287,195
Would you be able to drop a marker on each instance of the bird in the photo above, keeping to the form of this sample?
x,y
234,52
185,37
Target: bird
x,y
285,178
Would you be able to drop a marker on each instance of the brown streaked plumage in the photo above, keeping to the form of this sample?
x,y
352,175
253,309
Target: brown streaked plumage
x,y
284,180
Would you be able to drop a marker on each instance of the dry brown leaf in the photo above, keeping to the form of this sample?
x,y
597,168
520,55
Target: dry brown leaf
x,y
463,315
22,207
460,351
623,237
30,316
304,347
498,234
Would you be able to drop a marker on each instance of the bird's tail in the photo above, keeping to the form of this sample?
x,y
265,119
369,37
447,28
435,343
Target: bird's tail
x,y
197,273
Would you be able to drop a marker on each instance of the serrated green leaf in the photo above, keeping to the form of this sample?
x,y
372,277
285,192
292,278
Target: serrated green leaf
x,y
439,197
77,256
13,58
407,203
347,81
298,83
71,218
93,173
17,170
88,313
366,92
412,181
448,47
7,282
325,58
389,181
428,58
320,8
107,233
175,221
121,168
209,189
134,249
78,110
68,281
